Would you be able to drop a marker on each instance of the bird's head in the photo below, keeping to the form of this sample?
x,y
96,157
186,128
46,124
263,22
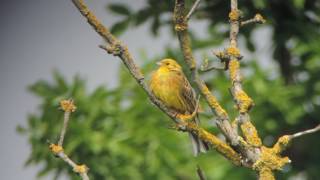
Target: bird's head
x,y
169,64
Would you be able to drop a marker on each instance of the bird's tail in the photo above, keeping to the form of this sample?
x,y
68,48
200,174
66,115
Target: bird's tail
x,y
198,145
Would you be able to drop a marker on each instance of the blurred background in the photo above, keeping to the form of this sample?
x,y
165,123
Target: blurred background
x,y
49,52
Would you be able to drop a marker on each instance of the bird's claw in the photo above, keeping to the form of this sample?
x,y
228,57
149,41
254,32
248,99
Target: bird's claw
x,y
185,117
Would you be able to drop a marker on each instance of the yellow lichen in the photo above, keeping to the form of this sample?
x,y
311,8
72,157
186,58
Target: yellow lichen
x,y
181,27
233,51
234,15
250,133
234,68
68,105
185,117
258,18
80,169
269,159
282,143
55,149
213,102
234,124
215,142
266,174
245,102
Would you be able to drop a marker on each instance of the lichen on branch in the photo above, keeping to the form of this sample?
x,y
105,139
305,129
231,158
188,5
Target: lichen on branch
x,y
123,53
245,148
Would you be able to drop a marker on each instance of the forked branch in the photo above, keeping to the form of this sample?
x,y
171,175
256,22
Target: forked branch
x,y
246,150
57,149
118,49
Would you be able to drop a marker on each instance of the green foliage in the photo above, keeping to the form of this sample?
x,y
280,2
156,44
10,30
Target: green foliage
x,y
120,135
116,132
119,9
297,20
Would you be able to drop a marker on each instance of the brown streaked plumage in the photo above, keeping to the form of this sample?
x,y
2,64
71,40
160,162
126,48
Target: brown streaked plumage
x,y
169,84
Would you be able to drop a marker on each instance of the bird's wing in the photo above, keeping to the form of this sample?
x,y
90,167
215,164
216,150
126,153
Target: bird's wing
x,y
188,94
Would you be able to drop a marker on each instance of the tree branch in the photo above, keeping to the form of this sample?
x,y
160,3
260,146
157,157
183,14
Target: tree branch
x,y
181,27
285,140
248,151
66,118
118,49
57,149
200,173
192,10
257,19
302,133
242,100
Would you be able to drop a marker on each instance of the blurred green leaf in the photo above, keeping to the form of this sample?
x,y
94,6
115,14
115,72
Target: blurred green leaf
x,y
120,9
120,135
119,27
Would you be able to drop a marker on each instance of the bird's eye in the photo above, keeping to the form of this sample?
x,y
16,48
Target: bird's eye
x,y
167,63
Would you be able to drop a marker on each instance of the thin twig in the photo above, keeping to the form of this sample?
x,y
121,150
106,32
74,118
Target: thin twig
x,y
309,131
257,19
249,21
200,173
66,118
194,7
57,149
80,169
212,68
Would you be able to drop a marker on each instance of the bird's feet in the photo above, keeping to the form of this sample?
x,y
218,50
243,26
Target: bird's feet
x,y
185,117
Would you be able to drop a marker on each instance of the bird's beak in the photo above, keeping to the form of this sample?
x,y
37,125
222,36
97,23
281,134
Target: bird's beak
x,y
158,63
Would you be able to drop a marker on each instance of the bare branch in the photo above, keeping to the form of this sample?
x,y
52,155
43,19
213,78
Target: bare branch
x,y
207,69
205,66
257,19
302,133
194,7
82,170
68,107
200,173
284,140
57,149
66,118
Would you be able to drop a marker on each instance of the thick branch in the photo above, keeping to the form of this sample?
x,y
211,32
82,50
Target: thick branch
x,y
118,49
242,100
215,142
181,27
266,174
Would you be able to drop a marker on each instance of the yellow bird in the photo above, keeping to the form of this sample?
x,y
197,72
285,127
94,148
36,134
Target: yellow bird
x,y
169,84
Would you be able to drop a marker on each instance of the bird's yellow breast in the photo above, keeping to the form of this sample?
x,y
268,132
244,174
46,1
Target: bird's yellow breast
x,y
166,86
